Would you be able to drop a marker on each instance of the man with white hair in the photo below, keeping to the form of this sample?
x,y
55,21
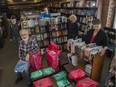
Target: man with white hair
x,y
27,47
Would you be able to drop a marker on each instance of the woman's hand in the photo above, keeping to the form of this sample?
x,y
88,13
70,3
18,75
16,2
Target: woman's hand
x,y
103,51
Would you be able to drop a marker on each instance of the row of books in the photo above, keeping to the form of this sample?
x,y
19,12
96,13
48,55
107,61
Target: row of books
x,y
86,19
43,43
58,26
44,29
37,29
30,23
63,47
59,40
43,36
58,33
78,12
80,3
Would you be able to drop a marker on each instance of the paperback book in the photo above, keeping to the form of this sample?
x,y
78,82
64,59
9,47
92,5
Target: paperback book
x,y
20,66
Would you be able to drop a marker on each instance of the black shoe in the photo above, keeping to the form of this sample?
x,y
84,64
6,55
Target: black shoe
x,y
18,80
30,85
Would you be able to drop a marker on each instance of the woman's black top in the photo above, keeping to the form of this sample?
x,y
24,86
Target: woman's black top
x,y
14,32
100,39
72,30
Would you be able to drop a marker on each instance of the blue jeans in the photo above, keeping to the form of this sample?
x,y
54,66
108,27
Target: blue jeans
x,y
27,72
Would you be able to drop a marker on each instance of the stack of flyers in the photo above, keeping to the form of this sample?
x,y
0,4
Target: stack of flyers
x,y
20,66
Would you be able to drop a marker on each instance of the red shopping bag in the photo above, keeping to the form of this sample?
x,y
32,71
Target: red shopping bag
x,y
36,60
55,48
76,74
53,59
87,82
45,82
53,53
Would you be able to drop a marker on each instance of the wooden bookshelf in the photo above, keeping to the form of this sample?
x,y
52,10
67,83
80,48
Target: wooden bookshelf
x,y
97,65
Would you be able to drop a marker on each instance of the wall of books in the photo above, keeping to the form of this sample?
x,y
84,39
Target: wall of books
x,y
85,10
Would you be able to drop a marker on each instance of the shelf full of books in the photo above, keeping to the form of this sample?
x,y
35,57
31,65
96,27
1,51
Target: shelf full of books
x,y
47,30
85,10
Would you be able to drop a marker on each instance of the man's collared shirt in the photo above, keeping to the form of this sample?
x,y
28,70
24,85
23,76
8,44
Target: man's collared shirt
x,y
30,48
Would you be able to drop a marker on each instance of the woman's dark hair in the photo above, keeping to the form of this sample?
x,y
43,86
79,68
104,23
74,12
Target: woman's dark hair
x,y
13,17
96,21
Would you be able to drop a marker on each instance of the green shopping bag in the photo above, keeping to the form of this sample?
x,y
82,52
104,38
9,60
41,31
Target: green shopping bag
x,y
59,76
71,85
63,83
41,73
48,71
37,74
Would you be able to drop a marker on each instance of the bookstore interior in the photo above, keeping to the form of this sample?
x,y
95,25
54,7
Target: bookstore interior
x,y
57,43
